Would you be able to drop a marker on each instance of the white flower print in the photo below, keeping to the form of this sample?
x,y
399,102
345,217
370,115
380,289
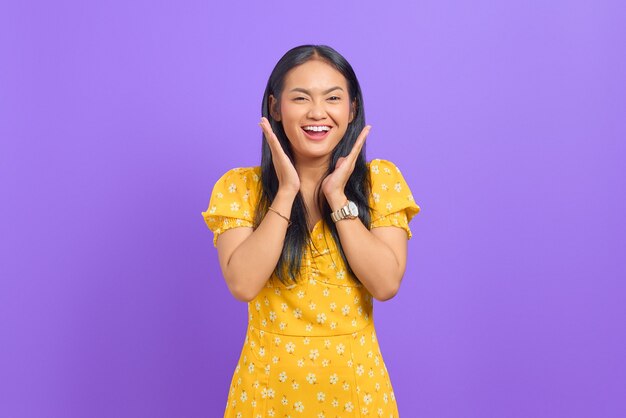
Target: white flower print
x,y
272,316
397,187
325,362
321,318
314,354
384,187
300,294
300,362
321,396
295,385
341,349
326,292
282,326
244,396
282,377
251,367
298,406
341,274
234,207
360,370
375,169
284,400
333,325
388,206
277,340
275,359
349,407
220,195
306,340
284,306
345,310
267,393
297,313
312,306
327,343
290,347
362,340
334,378
309,327
346,385
332,306
311,378
376,197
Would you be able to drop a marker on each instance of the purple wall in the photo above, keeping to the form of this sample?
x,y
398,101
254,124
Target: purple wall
x,y
506,118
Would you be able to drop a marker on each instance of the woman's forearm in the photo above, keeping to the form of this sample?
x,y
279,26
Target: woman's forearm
x,y
252,263
371,260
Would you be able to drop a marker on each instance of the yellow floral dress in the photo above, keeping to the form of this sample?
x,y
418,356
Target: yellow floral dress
x,y
311,348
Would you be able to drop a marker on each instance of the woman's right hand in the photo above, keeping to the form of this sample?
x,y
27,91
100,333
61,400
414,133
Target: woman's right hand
x,y
288,178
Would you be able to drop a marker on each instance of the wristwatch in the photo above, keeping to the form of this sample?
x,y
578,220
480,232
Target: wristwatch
x,y
348,211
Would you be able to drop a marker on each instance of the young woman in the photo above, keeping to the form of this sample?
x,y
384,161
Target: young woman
x,y
308,239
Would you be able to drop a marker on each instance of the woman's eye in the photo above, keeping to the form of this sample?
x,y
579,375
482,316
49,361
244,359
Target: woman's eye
x,y
336,98
298,98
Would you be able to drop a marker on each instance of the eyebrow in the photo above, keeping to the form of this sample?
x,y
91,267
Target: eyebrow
x,y
309,93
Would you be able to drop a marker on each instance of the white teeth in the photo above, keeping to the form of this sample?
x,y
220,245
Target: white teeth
x,y
316,128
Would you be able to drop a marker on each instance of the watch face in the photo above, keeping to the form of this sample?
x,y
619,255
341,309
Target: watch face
x,y
354,210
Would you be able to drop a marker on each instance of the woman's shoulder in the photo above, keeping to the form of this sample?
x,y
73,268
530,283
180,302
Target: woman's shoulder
x,y
378,165
238,176
390,191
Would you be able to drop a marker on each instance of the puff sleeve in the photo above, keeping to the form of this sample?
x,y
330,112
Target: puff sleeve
x,y
391,197
232,201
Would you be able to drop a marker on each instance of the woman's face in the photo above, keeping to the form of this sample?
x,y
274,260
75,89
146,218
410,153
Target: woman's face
x,y
315,96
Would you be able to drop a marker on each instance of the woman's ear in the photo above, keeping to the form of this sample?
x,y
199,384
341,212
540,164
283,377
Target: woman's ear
x,y
273,108
352,111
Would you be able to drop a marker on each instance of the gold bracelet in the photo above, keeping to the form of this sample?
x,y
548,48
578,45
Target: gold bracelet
x,y
285,218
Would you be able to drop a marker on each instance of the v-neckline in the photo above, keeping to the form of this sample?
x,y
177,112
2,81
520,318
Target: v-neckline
x,y
315,226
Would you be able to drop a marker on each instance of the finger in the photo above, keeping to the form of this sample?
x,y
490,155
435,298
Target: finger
x,y
272,139
358,144
267,131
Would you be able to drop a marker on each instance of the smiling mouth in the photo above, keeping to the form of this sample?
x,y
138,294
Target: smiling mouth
x,y
317,135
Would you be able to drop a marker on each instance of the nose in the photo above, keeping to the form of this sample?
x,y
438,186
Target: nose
x,y
317,110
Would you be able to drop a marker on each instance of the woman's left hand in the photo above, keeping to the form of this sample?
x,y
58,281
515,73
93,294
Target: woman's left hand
x,y
334,185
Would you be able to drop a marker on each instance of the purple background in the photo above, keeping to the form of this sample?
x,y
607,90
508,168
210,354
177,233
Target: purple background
x,y
506,118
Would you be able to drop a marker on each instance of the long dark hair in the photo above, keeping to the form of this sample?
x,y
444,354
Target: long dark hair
x,y
358,186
